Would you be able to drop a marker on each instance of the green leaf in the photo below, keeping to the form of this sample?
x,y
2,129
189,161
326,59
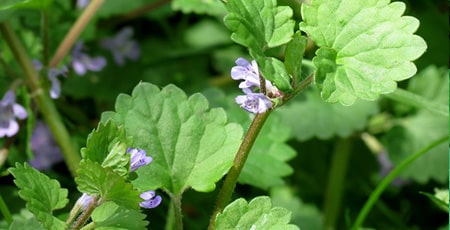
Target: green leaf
x,y
440,198
26,224
107,145
210,7
275,71
258,214
42,194
96,180
366,47
294,55
315,118
420,129
191,145
267,162
112,216
30,4
259,24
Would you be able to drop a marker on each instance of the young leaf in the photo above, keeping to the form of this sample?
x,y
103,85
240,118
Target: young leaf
x,y
259,24
275,71
325,120
112,216
107,146
191,145
258,214
210,7
96,180
294,55
366,47
42,194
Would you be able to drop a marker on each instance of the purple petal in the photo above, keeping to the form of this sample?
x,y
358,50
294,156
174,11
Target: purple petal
x,y
138,158
79,68
150,200
254,102
11,129
96,63
19,111
37,64
9,98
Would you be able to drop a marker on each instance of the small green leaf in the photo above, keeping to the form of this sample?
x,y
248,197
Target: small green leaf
x,y
30,4
366,47
294,55
210,7
42,194
259,24
315,118
258,214
273,70
95,180
112,216
107,145
191,145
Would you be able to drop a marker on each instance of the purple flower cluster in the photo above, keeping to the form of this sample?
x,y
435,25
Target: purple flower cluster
x,y
9,111
253,102
81,62
122,46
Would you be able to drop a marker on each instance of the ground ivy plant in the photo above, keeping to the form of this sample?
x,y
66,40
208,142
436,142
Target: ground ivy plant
x,y
161,143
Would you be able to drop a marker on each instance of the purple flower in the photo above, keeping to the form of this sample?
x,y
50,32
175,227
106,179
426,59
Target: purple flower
x,y
46,151
122,46
52,75
84,201
254,102
9,110
138,158
82,62
150,199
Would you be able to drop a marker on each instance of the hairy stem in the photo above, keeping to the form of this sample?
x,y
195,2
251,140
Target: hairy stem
x,y
75,31
229,184
336,182
43,101
176,201
389,178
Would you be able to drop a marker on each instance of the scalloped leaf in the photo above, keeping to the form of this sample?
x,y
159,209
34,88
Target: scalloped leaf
x,y
325,120
112,216
42,194
294,55
258,214
259,24
365,47
210,7
107,145
191,145
96,180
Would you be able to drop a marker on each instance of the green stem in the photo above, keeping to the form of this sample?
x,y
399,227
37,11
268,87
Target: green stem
x,y
170,221
229,184
389,178
5,211
75,31
43,101
417,101
176,201
336,182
